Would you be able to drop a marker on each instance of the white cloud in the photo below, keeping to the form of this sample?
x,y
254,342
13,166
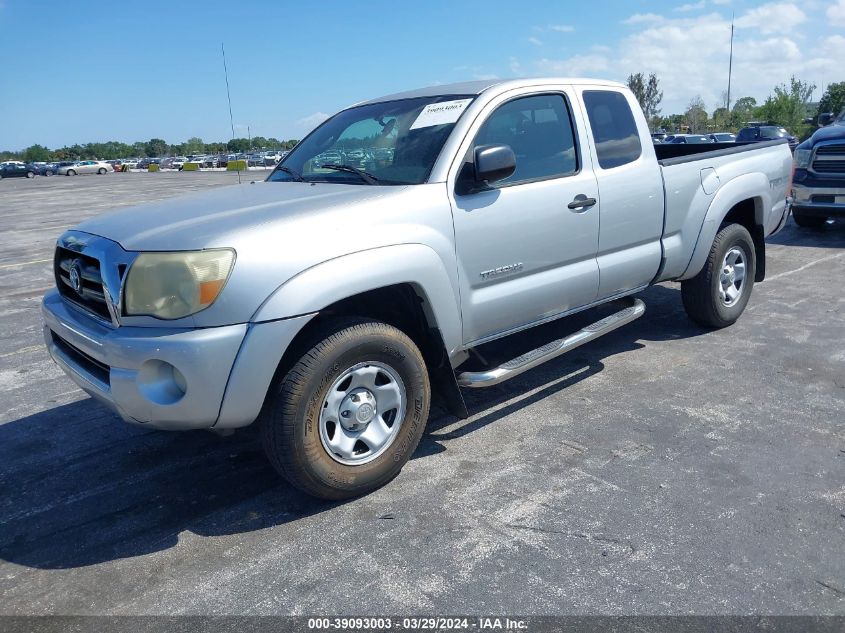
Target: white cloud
x,y
534,41
515,66
641,18
692,6
836,13
772,18
312,120
561,28
485,76
689,54
575,65
695,6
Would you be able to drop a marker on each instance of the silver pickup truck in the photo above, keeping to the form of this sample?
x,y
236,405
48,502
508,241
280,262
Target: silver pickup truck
x,y
328,303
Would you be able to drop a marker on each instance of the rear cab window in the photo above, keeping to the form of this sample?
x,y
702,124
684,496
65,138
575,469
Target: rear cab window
x,y
614,130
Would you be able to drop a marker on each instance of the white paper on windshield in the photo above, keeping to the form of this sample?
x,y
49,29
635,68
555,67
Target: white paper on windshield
x,y
440,113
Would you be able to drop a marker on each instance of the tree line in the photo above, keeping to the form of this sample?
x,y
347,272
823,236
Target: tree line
x,y
787,106
154,148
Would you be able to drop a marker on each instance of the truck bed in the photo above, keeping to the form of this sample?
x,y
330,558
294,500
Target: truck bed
x,y
695,175
674,154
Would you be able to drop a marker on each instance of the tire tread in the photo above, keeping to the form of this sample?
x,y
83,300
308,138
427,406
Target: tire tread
x,y
278,423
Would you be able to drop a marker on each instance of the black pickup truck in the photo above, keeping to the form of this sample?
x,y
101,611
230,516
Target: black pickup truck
x,y
818,186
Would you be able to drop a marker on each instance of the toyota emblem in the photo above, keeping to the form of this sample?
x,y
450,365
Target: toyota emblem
x,y
76,276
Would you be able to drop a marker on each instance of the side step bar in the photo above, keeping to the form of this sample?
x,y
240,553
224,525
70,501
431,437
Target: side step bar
x,y
529,360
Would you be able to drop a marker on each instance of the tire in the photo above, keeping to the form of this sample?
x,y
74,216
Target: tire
x,y
30,174
808,221
71,172
704,301
48,173
101,171
301,428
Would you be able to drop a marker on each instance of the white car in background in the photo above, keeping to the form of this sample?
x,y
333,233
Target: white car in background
x,y
86,167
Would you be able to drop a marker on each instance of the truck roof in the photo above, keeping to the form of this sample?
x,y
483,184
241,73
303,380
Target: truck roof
x,y
479,86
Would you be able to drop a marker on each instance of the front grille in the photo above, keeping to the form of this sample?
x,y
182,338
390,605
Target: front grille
x,y
95,368
829,166
829,159
826,150
88,294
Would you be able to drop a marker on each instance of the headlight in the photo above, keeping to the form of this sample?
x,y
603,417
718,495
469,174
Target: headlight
x,y
802,158
175,285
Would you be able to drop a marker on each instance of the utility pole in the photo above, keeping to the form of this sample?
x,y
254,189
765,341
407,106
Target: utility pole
x,y
730,63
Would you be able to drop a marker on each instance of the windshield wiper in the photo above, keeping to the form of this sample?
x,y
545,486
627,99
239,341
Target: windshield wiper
x,y
288,170
366,177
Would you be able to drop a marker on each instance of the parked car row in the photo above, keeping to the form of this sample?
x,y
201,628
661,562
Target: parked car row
x,y
17,169
362,158
752,133
714,137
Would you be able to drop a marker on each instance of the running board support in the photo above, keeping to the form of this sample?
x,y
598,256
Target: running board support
x,y
529,360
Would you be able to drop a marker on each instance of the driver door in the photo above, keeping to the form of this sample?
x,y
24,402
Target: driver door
x,y
524,254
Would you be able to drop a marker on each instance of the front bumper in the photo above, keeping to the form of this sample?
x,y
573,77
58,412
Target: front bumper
x,y
171,378
819,200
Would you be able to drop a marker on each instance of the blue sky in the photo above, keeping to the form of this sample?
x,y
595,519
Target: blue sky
x,y
129,71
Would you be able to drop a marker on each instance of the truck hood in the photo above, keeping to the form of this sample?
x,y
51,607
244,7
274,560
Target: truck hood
x,y
211,218
829,133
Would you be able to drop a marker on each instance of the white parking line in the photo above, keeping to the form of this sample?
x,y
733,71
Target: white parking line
x,y
807,265
34,261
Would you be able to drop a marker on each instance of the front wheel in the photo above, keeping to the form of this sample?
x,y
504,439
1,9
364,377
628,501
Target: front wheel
x,y
717,295
808,221
347,416
101,171
30,174
71,172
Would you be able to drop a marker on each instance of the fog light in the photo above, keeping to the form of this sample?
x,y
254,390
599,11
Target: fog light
x,y
161,383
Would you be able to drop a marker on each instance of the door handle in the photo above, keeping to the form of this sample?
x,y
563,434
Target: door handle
x,y
581,202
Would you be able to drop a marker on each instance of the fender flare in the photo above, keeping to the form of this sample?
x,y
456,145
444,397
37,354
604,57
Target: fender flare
x,y
728,196
340,278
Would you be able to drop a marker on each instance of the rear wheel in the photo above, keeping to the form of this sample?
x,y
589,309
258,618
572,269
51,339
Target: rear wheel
x,y
101,171
717,295
345,419
71,172
30,174
48,173
808,221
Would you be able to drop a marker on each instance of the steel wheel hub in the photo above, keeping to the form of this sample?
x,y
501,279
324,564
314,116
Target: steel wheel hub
x,y
732,276
357,409
362,413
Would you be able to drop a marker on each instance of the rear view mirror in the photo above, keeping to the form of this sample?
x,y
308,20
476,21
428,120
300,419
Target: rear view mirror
x,y
493,163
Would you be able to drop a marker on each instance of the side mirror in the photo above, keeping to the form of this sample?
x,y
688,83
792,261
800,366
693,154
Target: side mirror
x,y
493,163
825,119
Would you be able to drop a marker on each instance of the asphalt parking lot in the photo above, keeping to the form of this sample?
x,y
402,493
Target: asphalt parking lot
x,y
662,469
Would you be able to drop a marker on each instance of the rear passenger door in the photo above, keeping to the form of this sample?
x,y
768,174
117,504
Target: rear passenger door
x,y
524,255
630,188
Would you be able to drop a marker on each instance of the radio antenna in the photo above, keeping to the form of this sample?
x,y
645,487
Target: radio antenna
x,y
730,65
229,97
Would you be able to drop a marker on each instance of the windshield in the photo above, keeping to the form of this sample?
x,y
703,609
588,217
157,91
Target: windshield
x,y
393,143
772,132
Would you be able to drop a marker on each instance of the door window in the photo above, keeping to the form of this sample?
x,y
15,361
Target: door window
x,y
539,131
614,129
